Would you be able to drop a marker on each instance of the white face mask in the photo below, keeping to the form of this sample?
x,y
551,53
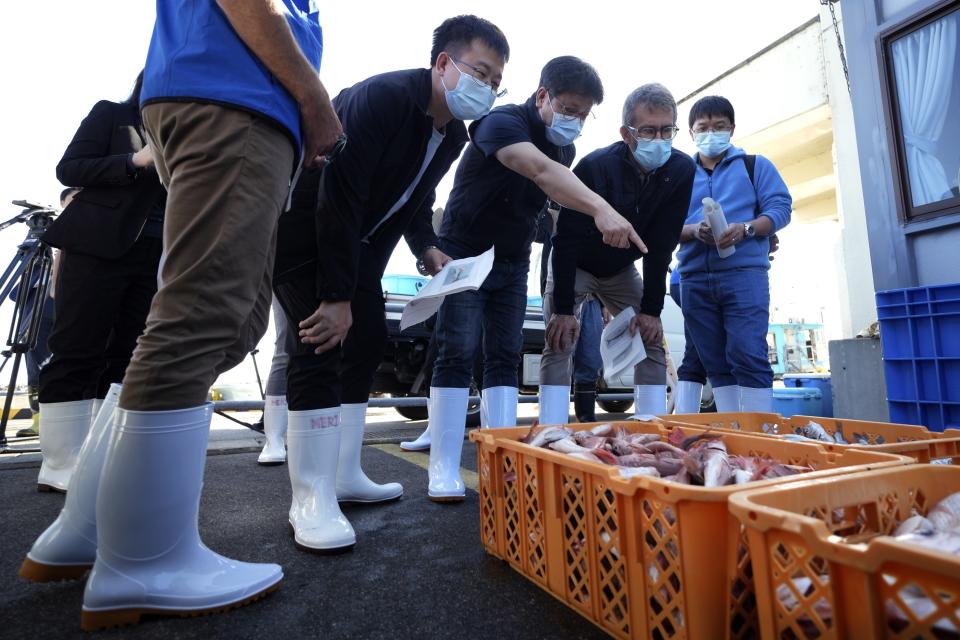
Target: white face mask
x,y
471,99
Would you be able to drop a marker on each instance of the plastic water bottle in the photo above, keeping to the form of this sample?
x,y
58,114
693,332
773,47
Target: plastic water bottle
x,y
713,214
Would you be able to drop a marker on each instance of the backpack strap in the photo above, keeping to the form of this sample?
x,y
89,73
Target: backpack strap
x,y
750,163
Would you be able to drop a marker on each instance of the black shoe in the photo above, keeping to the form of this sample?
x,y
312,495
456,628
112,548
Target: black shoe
x,y
584,403
258,425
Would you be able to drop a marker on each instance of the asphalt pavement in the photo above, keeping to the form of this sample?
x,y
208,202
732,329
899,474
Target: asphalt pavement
x,y
418,569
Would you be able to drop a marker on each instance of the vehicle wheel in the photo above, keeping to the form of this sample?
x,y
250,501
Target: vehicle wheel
x,y
615,406
473,408
412,413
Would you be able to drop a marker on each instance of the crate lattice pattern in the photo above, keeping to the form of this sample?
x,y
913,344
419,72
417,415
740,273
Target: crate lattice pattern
x,y
663,569
803,600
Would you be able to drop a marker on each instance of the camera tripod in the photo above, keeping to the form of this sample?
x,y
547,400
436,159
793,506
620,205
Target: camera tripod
x,y
29,272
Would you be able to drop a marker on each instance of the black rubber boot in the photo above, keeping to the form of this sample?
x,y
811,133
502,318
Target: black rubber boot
x,y
584,402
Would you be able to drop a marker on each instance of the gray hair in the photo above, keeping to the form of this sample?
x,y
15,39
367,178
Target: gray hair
x,y
654,96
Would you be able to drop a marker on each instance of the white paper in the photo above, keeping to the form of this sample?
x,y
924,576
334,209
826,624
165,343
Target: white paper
x,y
713,214
618,349
459,275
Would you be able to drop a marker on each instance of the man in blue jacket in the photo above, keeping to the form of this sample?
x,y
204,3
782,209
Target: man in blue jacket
x,y
231,101
649,183
726,301
404,130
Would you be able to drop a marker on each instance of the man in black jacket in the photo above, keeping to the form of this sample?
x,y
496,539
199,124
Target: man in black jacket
x,y
404,130
518,157
648,182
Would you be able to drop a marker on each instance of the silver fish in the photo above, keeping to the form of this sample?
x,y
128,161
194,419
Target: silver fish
x,y
742,476
602,430
716,468
945,516
915,524
838,436
815,431
550,434
567,445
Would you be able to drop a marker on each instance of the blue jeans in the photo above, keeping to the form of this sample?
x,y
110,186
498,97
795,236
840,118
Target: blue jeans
x,y
728,313
492,315
691,369
586,359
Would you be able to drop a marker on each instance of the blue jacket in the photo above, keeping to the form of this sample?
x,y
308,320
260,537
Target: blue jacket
x,y
729,184
196,56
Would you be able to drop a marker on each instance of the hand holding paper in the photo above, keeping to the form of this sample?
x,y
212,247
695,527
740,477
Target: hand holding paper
x,y
458,275
618,348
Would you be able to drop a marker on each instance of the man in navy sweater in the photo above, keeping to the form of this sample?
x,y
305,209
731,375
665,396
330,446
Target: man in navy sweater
x,y
649,183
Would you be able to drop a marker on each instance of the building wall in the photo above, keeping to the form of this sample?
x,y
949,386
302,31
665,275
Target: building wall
x,y
902,254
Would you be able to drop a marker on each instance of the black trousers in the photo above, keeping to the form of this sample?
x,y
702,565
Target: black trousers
x,y
344,374
101,310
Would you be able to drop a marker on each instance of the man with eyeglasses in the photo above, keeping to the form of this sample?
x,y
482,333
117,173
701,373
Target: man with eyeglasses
x,y
518,157
648,182
726,301
404,129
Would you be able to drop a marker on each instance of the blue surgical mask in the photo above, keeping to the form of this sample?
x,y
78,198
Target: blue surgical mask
x,y
652,154
470,99
564,130
712,144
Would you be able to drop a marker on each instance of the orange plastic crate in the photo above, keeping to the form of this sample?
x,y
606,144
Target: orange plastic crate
x,y
640,557
832,533
915,441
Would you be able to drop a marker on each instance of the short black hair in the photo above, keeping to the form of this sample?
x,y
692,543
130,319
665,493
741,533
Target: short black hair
x,y
570,74
66,192
456,35
710,107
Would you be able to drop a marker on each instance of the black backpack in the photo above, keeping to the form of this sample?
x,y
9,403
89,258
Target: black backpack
x,y
750,163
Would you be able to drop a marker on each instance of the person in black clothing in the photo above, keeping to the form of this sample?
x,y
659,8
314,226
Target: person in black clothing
x,y
404,130
518,156
650,183
111,241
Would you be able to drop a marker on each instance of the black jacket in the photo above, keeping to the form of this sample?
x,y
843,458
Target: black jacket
x,y
106,217
388,128
657,208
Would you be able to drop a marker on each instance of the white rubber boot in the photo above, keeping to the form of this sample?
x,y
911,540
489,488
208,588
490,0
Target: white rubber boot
x,y
63,428
498,407
756,400
275,429
313,449
150,558
68,548
688,397
554,404
422,443
353,485
727,398
448,416
649,400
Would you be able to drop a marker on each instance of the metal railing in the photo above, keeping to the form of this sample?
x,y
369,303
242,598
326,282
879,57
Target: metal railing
x,y
257,405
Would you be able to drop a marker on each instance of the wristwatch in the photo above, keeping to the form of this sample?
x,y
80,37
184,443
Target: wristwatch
x,y
748,230
421,266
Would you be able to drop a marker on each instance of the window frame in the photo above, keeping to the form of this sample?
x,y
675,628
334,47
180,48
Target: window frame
x,y
906,211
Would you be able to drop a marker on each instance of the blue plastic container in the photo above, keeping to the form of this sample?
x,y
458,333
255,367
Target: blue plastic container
x,y
803,401
920,335
814,381
403,285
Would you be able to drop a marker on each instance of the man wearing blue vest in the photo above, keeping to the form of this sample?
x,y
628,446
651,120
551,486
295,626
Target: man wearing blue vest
x,y
726,301
231,102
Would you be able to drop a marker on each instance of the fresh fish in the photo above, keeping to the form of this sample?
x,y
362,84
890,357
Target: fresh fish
x,y
861,438
940,541
915,524
588,440
838,436
815,431
619,447
635,460
602,429
742,476
664,447
605,456
550,434
682,476
945,516
690,442
567,445
643,438
716,468
795,437
630,472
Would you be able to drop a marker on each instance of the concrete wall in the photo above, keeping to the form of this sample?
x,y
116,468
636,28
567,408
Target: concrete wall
x,y
852,253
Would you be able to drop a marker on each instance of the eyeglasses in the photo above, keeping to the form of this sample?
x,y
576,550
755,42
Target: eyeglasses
x,y
720,127
497,91
567,111
650,133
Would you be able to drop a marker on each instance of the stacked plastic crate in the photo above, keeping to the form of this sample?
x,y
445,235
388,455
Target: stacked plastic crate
x,y
920,334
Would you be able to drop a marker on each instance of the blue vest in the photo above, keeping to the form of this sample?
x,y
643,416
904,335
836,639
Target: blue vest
x,y
195,55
